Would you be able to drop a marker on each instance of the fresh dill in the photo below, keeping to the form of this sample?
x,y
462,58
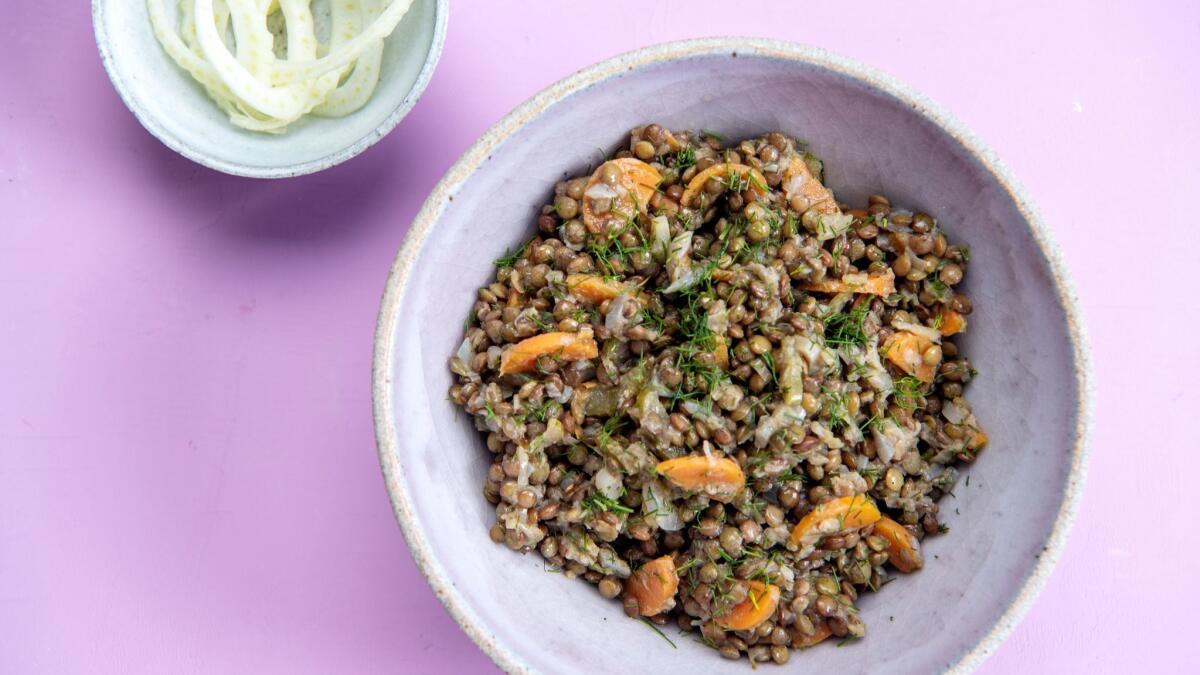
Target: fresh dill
x,y
511,257
846,328
613,255
834,407
938,287
539,412
652,320
692,562
611,426
790,476
685,158
582,314
908,391
599,503
542,322
752,252
733,180
769,359
660,633
760,185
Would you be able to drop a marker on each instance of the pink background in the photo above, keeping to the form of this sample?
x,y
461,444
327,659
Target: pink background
x,y
188,478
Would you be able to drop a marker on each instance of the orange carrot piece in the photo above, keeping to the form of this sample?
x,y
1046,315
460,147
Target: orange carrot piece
x,y
837,515
904,551
720,171
759,605
977,440
637,184
654,585
952,322
907,351
522,357
595,288
802,641
720,478
882,285
798,181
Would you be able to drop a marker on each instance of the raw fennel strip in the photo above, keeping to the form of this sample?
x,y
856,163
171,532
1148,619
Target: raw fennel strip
x,y
289,71
358,87
260,91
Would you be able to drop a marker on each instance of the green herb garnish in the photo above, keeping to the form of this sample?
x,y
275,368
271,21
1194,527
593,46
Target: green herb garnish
x,y
660,633
599,503
908,391
846,328
685,158
510,258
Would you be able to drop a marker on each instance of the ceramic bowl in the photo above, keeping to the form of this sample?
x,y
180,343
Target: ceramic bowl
x,y
175,109
1007,526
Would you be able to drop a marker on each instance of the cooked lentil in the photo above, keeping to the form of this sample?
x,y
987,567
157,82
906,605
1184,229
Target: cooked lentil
x,y
724,398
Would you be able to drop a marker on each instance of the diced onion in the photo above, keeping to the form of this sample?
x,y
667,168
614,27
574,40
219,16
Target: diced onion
x,y
608,483
615,321
931,334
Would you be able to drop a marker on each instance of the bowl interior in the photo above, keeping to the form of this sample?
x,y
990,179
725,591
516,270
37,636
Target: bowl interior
x,y
1026,394
176,109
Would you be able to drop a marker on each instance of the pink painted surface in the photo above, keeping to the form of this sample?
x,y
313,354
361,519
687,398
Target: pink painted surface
x,y
188,479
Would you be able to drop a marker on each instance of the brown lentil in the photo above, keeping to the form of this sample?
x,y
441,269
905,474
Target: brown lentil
x,y
575,442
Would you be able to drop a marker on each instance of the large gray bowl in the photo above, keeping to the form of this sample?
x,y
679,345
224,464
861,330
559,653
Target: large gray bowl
x,y
875,135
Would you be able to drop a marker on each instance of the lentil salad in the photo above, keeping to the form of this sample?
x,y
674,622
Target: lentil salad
x,y
719,395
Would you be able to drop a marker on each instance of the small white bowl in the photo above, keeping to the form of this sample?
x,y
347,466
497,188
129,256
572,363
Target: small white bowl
x,y
175,108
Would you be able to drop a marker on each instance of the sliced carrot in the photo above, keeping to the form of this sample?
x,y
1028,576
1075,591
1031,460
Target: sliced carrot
x,y
722,171
595,288
977,440
637,183
759,605
654,585
798,181
907,351
720,478
837,515
522,357
904,551
882,285
802,641
952,322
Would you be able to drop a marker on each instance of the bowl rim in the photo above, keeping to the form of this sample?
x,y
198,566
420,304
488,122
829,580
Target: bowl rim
x,y
383,362
199,156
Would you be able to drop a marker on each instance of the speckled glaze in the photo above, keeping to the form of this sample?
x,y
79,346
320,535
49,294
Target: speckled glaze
x,y
176,109
875,135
